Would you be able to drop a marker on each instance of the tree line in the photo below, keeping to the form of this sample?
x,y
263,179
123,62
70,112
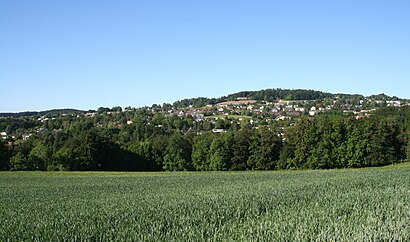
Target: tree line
x,y
275,94
155,142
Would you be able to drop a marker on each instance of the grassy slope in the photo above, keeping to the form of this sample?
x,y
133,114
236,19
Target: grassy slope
x,y
398,166
229,116
349,204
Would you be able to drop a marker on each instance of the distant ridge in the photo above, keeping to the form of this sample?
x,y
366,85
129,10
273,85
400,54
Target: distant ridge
x,y
273,94
261,95
40,113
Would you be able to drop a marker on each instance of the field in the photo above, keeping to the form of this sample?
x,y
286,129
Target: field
x,y
342,205
229,116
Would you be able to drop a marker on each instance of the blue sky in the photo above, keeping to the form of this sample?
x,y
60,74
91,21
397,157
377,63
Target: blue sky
x,y
86,54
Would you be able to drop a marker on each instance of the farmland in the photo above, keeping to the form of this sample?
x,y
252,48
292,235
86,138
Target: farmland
x,y
352,204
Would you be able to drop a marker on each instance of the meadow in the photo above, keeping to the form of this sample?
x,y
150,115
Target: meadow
x,y
329,205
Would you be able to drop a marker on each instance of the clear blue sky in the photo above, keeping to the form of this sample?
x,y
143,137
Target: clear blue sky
x,y
85,54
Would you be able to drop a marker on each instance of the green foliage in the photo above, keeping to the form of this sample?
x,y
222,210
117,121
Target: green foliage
x,y
265,149
178,154
19,163
150,139
39,156
201,151
330,141
4,156
17,124
240,148
219,154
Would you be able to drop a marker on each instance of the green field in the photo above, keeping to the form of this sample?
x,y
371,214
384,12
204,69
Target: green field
x,y
231,116
338,205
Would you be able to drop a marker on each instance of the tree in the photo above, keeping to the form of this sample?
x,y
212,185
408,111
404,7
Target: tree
x,y
201,152
265,149
299,140
241,148
19,163
219,155
178,154
328,132
4,157
39,156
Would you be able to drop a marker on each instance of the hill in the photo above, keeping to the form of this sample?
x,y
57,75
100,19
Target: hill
x,y
269,95
66,111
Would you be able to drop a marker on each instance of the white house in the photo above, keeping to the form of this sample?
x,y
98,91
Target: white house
x,y
26,136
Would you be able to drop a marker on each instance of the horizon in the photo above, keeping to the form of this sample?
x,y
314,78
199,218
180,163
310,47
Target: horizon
x,y
160,104
89,54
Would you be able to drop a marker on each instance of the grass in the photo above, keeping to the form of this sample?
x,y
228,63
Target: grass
x,y
229,116
398,166
343,205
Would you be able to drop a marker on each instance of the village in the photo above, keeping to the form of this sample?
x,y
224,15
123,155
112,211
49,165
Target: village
x,y
255,112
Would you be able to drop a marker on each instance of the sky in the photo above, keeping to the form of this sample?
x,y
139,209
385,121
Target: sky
x,y
86,54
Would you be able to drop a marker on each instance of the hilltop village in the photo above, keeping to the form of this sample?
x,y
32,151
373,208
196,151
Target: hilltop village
x,y
217,117
263,130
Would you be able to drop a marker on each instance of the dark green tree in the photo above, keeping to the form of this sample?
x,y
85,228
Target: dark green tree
x,y
178,154
20,163
265,150
201,152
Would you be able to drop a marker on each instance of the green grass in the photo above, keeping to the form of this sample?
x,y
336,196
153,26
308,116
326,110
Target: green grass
x,y
398,166
332,205
229,116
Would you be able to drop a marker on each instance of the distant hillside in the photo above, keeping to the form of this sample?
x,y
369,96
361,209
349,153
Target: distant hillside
x,y
269,95
41,113
272,95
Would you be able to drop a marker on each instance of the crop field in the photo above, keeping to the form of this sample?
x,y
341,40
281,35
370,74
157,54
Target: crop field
x,y
338,205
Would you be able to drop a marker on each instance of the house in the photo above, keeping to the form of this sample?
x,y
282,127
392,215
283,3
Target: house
x,y
26,136
42,130
394,103
3,135
312,111
282,118
252,122
198,117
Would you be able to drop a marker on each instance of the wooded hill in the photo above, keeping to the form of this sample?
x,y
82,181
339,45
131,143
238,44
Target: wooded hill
x,y
154,139
269,95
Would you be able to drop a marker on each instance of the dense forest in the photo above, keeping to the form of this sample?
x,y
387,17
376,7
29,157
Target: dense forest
x,y
157,142
266,95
